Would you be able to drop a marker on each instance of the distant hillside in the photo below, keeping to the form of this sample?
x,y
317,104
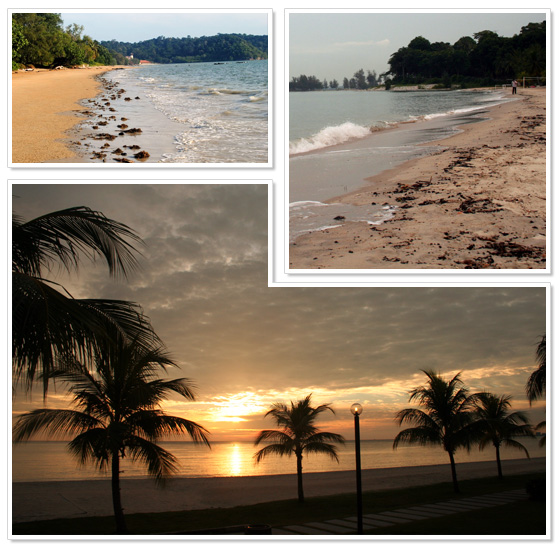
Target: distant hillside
x,y
222,47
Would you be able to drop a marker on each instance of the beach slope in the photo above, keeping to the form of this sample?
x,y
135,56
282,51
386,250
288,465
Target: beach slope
x,y
45,107
70,499
479,203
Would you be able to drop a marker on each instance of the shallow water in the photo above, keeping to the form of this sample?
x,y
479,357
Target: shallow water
x,y
187,113
365,140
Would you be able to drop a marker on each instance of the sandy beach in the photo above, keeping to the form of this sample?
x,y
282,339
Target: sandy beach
x,y
479,203
70,499
45,107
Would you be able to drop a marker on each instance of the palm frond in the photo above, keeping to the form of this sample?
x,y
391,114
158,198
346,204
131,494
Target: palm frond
x,y
515,445
49,326
58,422
417,416
64,235
159,462
320,447
421,435
273,435
93,447
273,449
536,384
155,424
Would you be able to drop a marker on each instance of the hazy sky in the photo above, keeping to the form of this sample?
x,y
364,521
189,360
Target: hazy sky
x,y
335,45
204,286
133,27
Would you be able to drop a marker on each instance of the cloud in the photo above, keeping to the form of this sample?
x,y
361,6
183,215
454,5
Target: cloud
x,y
203,284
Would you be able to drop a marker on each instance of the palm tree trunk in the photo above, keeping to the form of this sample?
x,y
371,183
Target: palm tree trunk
x,y
453,472
300,477
499,462
116,489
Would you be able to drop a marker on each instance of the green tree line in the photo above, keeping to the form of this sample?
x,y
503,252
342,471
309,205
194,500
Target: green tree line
x,y
222,47
483,60
39,39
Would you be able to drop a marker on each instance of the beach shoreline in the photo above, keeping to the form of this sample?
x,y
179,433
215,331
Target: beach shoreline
x,y
34,501
470,205
46,107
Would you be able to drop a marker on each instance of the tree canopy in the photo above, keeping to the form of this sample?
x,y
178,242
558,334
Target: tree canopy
x,y
486,56
222,47
40,39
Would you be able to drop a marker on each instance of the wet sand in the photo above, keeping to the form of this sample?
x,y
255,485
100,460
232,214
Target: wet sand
x,y
45,106
479,203
70,499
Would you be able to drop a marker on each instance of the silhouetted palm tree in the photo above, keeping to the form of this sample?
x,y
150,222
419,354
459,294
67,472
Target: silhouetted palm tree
x,y
446,419
116,413
495,426
47,322
536,384
298,435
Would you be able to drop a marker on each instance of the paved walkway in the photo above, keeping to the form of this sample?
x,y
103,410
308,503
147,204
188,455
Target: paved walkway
x,y
347,526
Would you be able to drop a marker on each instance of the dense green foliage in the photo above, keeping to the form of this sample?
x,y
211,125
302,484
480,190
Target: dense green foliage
x,y
360,81
39,39
305,83
222,47
485,59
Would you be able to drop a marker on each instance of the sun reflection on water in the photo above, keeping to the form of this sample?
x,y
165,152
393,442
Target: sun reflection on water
x,y
235,461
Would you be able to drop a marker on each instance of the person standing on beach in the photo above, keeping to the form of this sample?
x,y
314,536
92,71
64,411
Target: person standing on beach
x,y
514,86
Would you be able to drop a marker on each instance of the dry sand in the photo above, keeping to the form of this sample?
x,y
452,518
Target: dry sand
x,y
70,499
478,204
45,107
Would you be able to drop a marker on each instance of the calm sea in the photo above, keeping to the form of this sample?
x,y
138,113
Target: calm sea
x,y
340,138
189,112
50,461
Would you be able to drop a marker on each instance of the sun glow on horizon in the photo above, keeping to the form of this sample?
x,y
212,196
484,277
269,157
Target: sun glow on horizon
x,y
236,407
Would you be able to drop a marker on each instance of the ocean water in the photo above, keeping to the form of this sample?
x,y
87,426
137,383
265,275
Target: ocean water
x,y
187,113
50,461
323,119
337,139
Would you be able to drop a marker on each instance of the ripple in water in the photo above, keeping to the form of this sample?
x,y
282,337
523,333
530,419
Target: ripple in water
x,y
308,216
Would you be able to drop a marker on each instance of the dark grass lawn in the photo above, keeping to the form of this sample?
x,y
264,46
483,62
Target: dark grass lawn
x,y
526,517
520,518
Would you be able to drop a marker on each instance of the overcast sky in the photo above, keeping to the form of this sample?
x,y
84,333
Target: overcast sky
x,y
204,286
128,26
336,45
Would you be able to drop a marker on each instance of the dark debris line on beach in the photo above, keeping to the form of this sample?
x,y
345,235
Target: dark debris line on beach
x,y
103,103
347,526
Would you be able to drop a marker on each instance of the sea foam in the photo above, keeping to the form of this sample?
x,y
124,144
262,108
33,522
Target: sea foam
x,y
331,135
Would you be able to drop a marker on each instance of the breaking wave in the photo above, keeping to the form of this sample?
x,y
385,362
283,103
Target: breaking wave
x,y
331,135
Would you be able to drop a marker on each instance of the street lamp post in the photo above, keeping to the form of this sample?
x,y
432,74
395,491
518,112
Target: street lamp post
x,y
356,409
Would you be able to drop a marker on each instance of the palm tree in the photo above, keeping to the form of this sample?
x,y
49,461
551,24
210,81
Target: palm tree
x,y
445,421
47,322
298,435
116,413
498,427
536,384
